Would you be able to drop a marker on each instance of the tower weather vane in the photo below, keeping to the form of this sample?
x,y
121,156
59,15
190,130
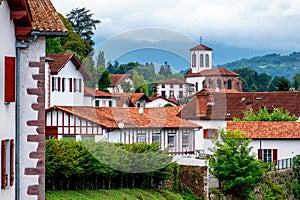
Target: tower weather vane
x,y
200,39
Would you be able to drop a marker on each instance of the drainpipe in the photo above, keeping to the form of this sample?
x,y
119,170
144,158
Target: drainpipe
x,y
19,46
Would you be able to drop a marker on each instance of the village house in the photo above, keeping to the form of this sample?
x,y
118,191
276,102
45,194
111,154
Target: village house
x,y
160,101
122,125
65,80
25,25
203,76
173,89
212,110
116,81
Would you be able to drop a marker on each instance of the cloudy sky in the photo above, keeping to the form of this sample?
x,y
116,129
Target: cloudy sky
x,y
238,27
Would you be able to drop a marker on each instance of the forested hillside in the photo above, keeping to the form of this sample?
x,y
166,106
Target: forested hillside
x,y
272,64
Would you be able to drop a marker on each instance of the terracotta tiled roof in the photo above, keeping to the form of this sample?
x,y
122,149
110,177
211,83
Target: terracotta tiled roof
x,y
201,47
44,17
134,97
96,93
131,117
212,72
60,61
173,81
267,130
116,79
218,105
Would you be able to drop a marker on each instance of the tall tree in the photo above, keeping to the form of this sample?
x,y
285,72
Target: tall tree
x,y
284,84
232,163
104,81
165,70
100,59
83,23
273,85
296,80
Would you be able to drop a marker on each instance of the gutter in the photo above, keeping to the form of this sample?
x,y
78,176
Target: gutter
x,y
19,46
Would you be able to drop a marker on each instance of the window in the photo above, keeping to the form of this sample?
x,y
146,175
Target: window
x,y
97,103
210,133
171,85
163,94
219,83
185,141
10,88
163,86
206,60
7,163
180,85
54,83
180,94
267,155
63,84
171,141
229,86
201,60
156,138
110,103
194,60
196,86
141,136
171,94
70,85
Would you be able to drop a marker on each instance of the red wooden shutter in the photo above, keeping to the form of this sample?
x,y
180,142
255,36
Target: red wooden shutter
x,y
259,154
275,155
10,80
79,85
12,161
63,84
74,86
52,84
4,176
70,84
205,133
58,84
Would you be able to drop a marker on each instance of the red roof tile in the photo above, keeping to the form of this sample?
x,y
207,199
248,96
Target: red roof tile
x,y
96,93
44,16
212,72
116,79
131,117
60,61
201,47
134,97
218,105
267,130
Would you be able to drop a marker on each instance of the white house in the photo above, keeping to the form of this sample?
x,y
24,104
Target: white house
x,y
212,110
65,80
124,125
271,141
99,98
24,28
116,81
203,76
160,101
173,89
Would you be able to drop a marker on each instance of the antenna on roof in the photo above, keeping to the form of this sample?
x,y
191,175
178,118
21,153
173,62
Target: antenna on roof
x,y
200,39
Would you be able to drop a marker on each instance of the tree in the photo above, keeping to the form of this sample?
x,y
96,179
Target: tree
x,y
296,80
104,81
83,23
137,80
126,86
284,84
237,170
165,70
273,85
100,59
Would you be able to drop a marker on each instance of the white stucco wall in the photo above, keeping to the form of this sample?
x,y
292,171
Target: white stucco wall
x,y
7,111
175,89
158,103
197,68
194,80
67,98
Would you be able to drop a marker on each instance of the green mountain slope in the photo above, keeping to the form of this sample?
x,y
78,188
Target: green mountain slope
x,y
272,64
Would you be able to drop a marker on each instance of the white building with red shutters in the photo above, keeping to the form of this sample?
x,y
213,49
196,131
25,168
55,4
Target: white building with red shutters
x,y
65,80
24,25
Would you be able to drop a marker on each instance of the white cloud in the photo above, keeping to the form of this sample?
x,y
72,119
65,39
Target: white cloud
x,y
270,24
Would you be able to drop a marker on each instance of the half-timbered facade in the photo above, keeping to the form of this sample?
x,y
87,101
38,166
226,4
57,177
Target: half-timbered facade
x,y
124,125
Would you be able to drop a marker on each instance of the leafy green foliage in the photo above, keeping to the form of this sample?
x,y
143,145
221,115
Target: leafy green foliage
x,y
165,70
237,171
100,59
284,84
296,81
83,23
264,115
126,86
104,81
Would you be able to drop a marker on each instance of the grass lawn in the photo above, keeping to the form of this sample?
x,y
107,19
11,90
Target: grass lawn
x,y
121,194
